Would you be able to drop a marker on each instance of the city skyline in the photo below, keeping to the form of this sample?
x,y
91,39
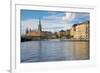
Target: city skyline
x,y
51,19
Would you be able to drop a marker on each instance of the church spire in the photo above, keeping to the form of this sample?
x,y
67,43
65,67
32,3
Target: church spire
x,y
40,27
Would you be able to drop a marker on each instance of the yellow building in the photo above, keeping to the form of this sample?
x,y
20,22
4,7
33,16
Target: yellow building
x,y
80,31
72,32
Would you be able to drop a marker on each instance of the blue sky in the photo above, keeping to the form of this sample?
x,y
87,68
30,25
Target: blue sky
x,y
50,19
36,14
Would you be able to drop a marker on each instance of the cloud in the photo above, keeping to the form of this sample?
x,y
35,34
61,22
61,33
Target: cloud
x,y
54,22
31,24
68,17
53,17
80,17
47,25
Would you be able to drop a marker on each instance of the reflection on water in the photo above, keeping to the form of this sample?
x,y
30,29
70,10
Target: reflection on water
x,y
55,50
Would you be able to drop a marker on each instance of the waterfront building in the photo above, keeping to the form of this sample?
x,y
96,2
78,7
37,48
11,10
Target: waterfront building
x,y
72,32
38,34
80,31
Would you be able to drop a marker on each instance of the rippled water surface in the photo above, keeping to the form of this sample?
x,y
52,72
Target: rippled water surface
x,y
54,50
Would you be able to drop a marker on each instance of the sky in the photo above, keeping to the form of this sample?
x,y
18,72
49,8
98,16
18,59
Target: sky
x,y
50,20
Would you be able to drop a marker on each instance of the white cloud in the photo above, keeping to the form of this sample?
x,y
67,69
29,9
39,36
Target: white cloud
x,y
69,16
49,23
31,24
52,17
53,22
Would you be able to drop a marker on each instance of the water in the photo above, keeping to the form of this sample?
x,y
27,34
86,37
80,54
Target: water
x,y
54,50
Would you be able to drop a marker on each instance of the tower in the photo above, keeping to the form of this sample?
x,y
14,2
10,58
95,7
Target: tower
x,y
39,26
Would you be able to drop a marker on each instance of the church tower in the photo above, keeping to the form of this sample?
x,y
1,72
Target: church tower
x,y
39,26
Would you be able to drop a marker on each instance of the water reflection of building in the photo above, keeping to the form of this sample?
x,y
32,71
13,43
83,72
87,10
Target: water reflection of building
x,y
80,31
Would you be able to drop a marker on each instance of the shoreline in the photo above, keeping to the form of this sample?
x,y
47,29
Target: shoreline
x,y
56,40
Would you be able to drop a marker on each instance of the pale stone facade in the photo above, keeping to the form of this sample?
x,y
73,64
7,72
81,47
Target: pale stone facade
x,y
80,31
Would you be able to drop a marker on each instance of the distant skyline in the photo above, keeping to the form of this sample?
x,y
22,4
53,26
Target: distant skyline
x,y
51,20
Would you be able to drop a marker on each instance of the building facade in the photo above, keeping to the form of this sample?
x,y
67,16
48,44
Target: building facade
x,y
38,34
80,31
